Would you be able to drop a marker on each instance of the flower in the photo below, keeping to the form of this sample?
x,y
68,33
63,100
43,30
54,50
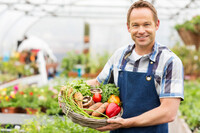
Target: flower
x,y
25,95
3,93
53,90
31,93
12,94
4,89
42,98
6,98
21,92
16,88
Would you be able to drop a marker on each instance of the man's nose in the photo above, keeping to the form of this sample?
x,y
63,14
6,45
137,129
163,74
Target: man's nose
x,y
141,30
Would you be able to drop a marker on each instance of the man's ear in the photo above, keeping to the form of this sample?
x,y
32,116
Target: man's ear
x,y
128,27
157,24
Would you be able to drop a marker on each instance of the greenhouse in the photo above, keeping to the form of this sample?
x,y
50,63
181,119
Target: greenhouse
x,y
69,66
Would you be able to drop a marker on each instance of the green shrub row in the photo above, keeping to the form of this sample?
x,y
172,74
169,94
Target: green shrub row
x,y
190,107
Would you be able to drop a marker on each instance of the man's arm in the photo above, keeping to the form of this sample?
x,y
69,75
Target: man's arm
x,y
165,113
93,82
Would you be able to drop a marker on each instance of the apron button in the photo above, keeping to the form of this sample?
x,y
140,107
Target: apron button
x,y
151,62
148,78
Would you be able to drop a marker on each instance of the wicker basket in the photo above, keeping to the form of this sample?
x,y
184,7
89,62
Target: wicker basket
x,y
82,120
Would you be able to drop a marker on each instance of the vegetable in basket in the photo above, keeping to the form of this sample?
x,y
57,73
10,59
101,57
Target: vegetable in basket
x,y
112,110
97,97
78,97
101,109
107,90
114,99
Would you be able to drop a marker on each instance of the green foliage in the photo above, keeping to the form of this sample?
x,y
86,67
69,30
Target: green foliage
x,y
196,20
31,97
80,86
107,90
190,106
190,59
91,64
11,69
55,125
178,26
189,24
9,97
72,59
102,59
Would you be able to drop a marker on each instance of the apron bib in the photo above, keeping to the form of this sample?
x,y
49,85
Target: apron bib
x,y
138,95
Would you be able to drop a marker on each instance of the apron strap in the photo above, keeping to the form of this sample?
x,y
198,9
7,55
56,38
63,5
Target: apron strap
x,y
124,64
149,71
125,57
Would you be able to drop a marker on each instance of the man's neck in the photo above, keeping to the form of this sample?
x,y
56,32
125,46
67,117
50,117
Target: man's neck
x,y
143,50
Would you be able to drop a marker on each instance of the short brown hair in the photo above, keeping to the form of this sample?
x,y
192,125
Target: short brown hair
x,y
142,4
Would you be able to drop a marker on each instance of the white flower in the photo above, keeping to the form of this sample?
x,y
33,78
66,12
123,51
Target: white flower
x,y
25,95
42,98
196,57
3,93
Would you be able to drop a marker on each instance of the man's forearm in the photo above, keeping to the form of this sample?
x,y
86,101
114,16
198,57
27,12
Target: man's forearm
x,y
165,113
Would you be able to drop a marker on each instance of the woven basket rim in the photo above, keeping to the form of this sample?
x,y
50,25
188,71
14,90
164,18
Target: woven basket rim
x,y
80,119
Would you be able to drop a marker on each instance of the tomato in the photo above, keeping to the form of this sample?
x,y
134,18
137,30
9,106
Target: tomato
x,y
97,97
114,99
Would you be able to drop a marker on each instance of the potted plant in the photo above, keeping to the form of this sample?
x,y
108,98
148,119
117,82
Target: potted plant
x,y
189,31
9,100
30,100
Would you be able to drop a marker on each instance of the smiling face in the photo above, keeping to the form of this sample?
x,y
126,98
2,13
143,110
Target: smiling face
x,y
143,28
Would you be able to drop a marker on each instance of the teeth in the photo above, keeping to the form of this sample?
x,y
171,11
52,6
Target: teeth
x,y
142,36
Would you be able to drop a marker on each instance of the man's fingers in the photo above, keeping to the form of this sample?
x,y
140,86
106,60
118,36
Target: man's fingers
x,y
108,127
114,121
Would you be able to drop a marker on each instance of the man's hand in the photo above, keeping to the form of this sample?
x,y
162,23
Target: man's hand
x,y
93,82
113,124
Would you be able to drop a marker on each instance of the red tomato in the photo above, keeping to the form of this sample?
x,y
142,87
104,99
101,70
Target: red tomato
x,y
97,97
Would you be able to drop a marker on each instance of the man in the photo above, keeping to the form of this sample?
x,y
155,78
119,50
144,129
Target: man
x,y
148,74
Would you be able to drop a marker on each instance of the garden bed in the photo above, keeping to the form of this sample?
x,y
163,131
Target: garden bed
x,y
45,124
189,108
189,115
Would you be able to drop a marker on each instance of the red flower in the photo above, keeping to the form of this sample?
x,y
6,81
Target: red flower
x,y
21,92
31,93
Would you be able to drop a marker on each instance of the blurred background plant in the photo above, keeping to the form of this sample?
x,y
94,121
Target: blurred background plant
x,y
190,59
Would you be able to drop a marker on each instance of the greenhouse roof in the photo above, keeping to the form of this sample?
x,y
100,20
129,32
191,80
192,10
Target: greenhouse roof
x,y
19,16
167,9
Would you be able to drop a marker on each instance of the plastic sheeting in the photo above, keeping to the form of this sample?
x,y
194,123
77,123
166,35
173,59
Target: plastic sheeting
x,y
108,37
13,26
104,36
61,34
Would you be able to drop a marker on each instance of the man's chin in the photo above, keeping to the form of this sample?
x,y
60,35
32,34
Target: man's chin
x,y
142,43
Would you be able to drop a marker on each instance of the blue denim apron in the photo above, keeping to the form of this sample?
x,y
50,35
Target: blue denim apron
x,y
138,95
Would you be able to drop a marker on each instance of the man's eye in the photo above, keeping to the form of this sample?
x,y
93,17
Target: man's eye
x,y
147,24
134,25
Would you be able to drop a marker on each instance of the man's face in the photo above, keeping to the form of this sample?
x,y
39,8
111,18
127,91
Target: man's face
x,y
142,27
